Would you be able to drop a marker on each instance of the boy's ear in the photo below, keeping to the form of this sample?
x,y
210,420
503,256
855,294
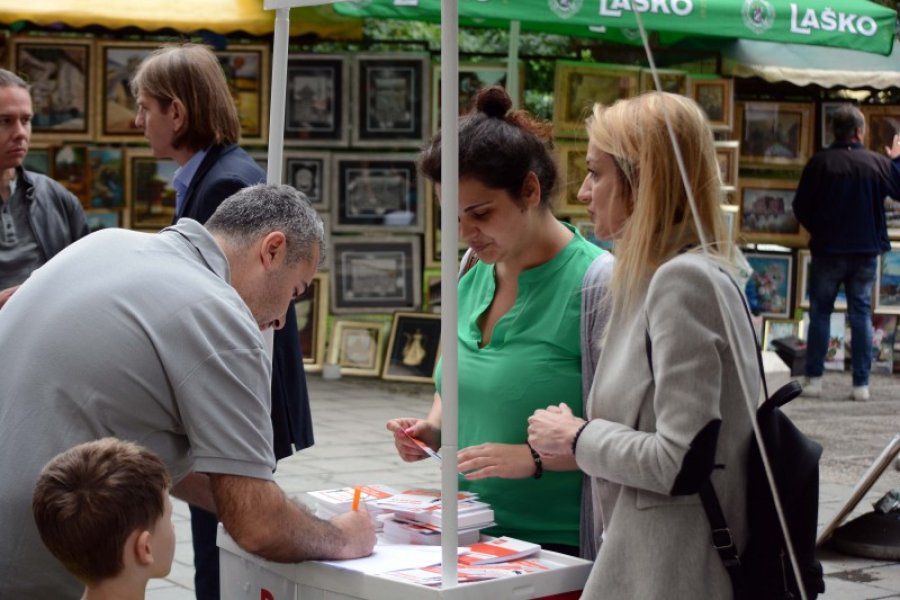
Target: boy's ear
x,y
143,549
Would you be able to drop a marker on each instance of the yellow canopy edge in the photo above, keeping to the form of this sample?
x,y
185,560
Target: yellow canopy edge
x,y
219,16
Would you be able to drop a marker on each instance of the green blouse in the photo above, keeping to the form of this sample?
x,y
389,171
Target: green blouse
x,y
533,360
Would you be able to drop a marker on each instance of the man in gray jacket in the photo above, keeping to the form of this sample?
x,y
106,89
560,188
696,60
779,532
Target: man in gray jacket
x,y
38,216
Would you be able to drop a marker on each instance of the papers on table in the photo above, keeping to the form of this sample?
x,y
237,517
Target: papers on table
x,y
392,557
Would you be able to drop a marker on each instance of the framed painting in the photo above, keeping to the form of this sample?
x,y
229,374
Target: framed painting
x,y
431,290
671,80
578,86
312,315
413,347
887,283
70,168
246,68
106,169
317,108
774,133
116,110
472,78
892,216
309,172
59,72
716,98
375,275
884,335
766,213
770,284
433,229
356,347
586,228
572,160
803,274
148,182
391,106
380,192
39,159
776,329
826,112
727,155
882,124
102,219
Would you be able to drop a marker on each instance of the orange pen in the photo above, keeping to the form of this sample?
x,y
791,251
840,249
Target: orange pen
x,y
356,494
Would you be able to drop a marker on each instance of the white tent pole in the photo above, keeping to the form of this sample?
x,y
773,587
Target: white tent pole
x,y
277,95
449,269
512,63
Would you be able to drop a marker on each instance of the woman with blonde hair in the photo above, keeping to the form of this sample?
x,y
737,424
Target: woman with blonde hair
x,y
667,409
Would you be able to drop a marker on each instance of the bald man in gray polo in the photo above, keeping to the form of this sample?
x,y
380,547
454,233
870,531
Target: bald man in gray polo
x,y
142,337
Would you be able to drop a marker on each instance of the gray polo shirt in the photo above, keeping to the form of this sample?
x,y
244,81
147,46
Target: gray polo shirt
x,y
134,335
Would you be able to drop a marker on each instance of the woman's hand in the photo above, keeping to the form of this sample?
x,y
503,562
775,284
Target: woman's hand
x,y
551,430
417,428
507,461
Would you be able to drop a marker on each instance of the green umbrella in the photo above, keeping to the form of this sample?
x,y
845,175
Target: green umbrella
x,y
854,24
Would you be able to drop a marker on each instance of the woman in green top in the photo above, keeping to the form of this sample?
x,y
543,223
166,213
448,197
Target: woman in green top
x,y
519,324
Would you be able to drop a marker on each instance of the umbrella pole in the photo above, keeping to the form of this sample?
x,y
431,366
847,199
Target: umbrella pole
x,y
512,63
277,95
449,269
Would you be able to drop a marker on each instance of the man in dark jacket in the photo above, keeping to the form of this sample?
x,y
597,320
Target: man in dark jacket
x,y
38,217
188,115
840,201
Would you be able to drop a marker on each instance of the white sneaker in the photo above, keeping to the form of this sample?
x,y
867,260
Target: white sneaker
x,y
860,393
812,387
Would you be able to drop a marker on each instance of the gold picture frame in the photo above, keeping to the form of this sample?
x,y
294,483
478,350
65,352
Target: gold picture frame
x,y
671,80
572,161
312,320
882,124
60,73
356,346
728,156
413,347
775,133
149,189
247,71
766,214
116,63
887,283
578,86
716,98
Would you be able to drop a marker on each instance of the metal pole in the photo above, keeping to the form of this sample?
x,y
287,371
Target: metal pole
x,y
277,95
512,63
449,267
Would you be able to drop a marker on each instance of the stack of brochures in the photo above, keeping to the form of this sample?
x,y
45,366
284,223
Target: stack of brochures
x,y
418,517
330,503
497,550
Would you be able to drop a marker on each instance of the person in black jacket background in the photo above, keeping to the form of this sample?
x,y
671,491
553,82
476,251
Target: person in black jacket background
x,y
38,216
188,115
840,200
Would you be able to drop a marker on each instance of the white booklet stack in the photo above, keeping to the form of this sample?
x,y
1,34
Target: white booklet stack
x,y
330,503
501,549
418,517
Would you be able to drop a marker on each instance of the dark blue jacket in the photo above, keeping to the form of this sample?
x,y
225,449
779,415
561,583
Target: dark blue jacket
x,y
224,171
840,199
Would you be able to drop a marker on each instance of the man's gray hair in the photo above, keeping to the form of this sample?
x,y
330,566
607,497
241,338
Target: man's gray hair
x,y
10,79
845,120
258,210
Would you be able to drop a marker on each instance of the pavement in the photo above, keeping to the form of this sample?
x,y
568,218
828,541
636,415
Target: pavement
x,y
353,447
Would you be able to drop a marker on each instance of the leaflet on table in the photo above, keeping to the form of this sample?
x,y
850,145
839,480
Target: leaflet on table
x,y
341,499
470,513
422,446
412,532
431,576
391,557
417,499
501,549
